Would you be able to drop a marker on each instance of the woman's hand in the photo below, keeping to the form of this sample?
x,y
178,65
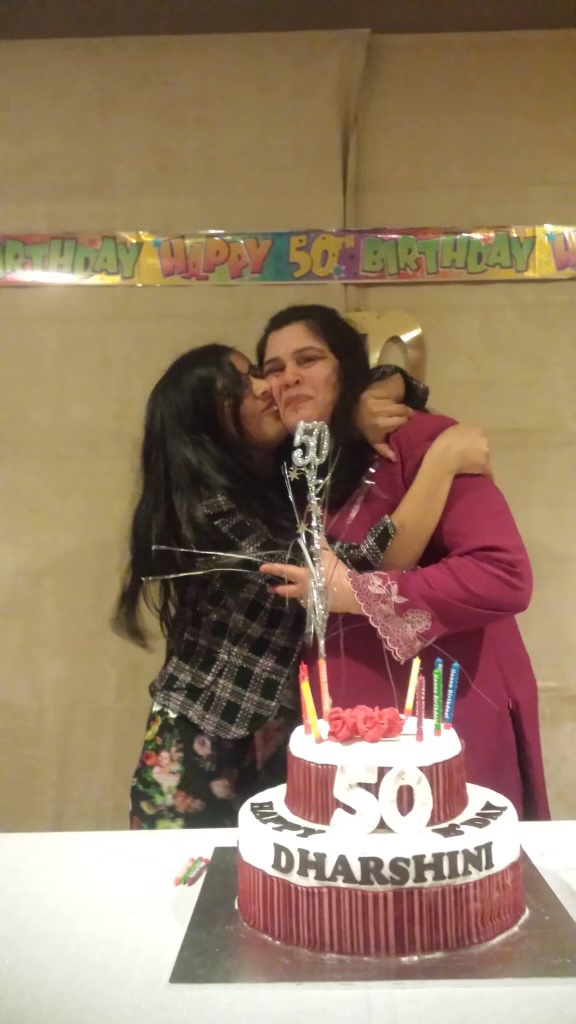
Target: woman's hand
x,y
296,583
465,449
381,411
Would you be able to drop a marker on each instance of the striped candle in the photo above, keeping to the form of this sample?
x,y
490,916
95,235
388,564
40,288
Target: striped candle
x,y
198,872
191,866
437,681
420,705
451,696
303,675
310,709
414,673
324,694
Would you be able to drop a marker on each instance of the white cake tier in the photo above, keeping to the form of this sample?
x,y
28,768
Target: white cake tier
x,y
402,751
481,841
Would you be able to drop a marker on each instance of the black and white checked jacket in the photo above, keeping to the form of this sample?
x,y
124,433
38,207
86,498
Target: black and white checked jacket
x,y
235,663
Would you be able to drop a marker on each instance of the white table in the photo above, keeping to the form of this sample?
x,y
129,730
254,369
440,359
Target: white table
x,y
91,924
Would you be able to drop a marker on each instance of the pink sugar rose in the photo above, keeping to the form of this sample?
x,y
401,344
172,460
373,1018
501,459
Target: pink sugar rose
x,y
342,722
393,722
376,724
361,722
368,724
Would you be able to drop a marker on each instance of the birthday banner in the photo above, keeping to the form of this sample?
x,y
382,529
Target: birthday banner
x,y
379,256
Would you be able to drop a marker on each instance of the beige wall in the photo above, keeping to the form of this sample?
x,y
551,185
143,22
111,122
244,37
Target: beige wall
x,y
481,130
159,134
168,135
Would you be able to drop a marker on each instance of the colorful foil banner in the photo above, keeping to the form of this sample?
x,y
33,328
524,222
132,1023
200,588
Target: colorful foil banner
x,y
379,256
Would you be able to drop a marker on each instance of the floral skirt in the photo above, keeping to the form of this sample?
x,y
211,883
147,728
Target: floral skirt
x,y
186,779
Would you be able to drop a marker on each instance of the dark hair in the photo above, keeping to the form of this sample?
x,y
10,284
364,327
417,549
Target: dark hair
x,y
189,453
349,348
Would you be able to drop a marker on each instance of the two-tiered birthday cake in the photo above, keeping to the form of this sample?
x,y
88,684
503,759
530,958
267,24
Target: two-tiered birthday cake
x,y
379,849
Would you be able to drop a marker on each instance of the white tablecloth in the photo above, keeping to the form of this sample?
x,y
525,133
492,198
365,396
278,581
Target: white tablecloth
x,y
91,924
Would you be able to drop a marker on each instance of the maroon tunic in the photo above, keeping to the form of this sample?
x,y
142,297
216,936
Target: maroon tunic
x,y
458,604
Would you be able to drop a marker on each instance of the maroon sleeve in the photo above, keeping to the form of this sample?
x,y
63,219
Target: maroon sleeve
x,y
481,571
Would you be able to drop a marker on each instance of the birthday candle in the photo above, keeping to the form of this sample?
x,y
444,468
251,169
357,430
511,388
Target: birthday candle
x,y
451,696
437,678
414,673
191,865
303,675
420,704
310,710
198,872
324,695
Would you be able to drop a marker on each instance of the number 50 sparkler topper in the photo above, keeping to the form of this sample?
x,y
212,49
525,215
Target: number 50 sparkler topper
x,y
311,448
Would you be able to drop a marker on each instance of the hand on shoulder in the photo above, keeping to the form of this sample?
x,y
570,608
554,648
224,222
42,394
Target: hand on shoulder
x,y
463,448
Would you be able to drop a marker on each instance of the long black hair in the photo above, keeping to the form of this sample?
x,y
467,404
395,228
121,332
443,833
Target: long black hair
x,y
349,347
192,449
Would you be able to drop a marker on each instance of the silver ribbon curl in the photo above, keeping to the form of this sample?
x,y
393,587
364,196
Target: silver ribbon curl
x,y
311,449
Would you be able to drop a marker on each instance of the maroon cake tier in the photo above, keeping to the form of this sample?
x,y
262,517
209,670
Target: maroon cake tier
x,y
397,922
309,789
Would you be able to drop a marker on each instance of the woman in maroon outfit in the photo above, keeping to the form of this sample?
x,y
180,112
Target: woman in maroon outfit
x,y
459,602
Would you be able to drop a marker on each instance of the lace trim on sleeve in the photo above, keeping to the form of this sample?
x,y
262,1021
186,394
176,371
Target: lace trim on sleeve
x,y
403,632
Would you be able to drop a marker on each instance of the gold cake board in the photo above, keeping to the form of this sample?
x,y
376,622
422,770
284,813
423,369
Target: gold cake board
x,y
218,948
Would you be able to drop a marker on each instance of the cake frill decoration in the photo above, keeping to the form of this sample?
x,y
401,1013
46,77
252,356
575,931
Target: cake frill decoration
x,y
363,723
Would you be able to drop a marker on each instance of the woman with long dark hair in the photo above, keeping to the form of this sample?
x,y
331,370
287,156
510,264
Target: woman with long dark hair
x,y
224,701
460,599
196,447
210,481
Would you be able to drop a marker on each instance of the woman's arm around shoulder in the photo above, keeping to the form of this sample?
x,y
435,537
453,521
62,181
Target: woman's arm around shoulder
x,y
479,570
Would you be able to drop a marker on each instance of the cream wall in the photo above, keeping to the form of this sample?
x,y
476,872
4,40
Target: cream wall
x,y
241,132
162,134
481,130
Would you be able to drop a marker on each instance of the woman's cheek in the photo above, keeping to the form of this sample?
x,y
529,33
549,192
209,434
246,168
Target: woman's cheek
x,y
275,390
